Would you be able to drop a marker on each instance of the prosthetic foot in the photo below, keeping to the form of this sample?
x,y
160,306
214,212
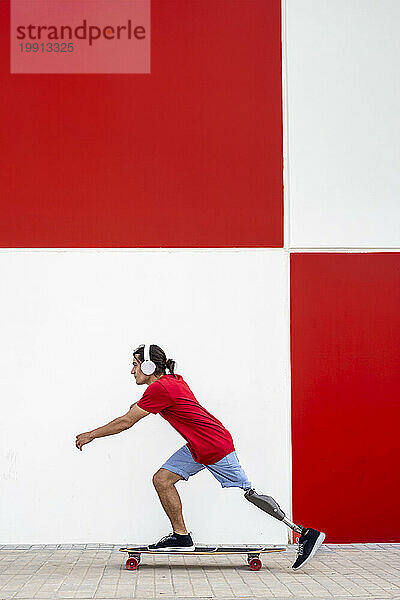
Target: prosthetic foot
x,y
310,540
268,505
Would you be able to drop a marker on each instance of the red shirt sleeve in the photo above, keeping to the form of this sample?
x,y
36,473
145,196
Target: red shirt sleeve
x,y
155,398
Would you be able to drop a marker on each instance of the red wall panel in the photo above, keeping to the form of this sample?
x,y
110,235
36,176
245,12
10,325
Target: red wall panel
x,y
189,155
345,350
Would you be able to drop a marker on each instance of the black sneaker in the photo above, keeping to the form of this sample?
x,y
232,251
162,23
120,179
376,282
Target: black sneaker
x,y
309,542
174,542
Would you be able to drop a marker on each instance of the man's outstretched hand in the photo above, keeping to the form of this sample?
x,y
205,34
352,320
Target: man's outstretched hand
x,y
82,439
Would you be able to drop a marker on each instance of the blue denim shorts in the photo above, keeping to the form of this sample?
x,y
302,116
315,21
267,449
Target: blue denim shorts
x,y
227,470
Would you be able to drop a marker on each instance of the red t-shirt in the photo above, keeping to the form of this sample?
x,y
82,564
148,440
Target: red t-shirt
x,y
207,439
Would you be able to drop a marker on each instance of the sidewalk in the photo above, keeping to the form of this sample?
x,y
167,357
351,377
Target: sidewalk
x,y
98,571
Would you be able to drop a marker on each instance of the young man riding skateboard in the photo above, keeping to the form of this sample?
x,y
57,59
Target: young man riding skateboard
x,y
209,446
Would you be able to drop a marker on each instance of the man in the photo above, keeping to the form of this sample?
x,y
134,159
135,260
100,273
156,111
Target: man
x,y
209,446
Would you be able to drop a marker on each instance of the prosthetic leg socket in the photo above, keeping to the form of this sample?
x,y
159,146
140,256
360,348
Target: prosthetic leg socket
x,y
271,507
266,503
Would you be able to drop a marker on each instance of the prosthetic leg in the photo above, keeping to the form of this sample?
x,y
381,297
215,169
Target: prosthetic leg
x,y
268,505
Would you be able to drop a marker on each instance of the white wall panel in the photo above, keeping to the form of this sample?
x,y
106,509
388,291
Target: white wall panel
x,y
343,123
69,321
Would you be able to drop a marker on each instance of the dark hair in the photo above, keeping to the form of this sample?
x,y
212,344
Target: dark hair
x,y
159,358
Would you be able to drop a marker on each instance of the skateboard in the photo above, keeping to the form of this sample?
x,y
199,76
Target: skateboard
x,y
253,553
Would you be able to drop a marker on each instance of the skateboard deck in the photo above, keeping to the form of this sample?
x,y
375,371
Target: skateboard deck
x,y
253,553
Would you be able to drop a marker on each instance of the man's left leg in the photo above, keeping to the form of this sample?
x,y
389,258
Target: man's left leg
x,y
164,482
180,465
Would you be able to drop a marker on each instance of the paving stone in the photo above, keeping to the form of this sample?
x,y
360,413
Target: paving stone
x,y
66,571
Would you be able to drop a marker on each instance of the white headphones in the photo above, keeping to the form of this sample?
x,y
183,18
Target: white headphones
x,y
147,367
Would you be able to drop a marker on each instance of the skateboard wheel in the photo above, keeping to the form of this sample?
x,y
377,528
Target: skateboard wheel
x,y
255,564
132,564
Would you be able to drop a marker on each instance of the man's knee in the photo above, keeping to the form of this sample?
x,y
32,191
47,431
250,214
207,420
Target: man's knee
x,y
159,478
164,478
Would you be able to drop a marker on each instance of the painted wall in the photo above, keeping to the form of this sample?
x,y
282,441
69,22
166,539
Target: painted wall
x,y
342,189
187,156
192,156
345,393
69,323
343,123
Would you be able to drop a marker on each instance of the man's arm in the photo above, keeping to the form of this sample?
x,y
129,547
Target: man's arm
x,y
134,414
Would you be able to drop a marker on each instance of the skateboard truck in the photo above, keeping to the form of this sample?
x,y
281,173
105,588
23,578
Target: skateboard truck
x,y
271,507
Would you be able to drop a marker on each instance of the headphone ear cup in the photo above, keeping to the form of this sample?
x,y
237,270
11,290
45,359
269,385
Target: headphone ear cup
x,y
148,367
